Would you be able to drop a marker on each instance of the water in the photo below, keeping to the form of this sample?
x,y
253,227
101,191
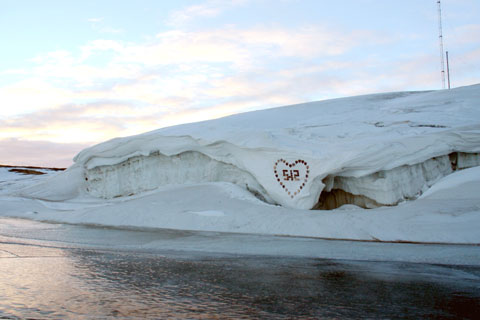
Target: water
x,y
45,275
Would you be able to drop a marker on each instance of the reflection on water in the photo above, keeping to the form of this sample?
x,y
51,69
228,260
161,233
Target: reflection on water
x,y
42,282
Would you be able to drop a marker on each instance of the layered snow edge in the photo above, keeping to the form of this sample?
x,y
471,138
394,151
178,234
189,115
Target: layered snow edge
x,y
145,173
382,188
370,151
390,187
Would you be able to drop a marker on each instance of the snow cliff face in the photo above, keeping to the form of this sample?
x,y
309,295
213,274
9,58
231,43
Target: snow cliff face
x,y
386,188
383,188
144,173
369,150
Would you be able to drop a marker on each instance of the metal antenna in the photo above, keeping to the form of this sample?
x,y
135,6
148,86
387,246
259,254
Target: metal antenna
x,y
440,38
448,71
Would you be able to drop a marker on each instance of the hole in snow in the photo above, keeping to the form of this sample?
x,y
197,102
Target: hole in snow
x,y
389,187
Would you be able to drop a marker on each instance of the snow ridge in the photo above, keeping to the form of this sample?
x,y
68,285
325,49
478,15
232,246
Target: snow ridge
x,y
404,136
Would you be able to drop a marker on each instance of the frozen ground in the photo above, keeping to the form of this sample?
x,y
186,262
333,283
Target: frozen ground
x,y
259,172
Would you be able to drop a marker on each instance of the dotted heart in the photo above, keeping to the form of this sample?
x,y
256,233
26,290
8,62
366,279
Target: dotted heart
x,y
292,177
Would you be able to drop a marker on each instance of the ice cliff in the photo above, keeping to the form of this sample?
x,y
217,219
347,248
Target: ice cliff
x,y
370,150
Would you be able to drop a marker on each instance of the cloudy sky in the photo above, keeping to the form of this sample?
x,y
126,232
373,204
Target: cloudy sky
x,y
74,73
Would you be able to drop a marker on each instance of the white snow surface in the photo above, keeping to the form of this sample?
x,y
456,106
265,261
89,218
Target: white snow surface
x,y
234,174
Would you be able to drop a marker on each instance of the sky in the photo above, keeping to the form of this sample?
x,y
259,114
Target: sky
x,y
76,73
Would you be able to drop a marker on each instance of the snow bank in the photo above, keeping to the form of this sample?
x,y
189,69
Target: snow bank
x,y
381,149
449,213
257,172
11,180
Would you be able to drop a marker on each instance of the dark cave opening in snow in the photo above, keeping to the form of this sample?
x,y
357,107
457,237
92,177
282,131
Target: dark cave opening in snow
x,y
390,187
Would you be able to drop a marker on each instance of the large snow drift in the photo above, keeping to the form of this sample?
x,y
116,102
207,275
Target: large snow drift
x,y
257,172
369,150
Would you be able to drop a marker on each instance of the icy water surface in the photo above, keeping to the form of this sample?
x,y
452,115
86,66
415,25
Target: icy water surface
x,y
45,275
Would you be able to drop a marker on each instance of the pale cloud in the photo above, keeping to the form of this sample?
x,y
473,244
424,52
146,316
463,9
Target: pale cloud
x,y
97,24
240,49
99,46
182,16
63,57
179,47
244,48
94,20
110,30
218,110
326,65
307,41
131,73
469,59
207,9
30,95
38,153
466,34
77,123
465,67
15,72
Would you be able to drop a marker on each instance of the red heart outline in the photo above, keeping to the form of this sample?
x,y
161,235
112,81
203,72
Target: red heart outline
x,y
291,193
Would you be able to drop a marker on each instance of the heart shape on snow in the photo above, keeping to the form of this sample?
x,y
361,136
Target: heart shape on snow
x,y
292,177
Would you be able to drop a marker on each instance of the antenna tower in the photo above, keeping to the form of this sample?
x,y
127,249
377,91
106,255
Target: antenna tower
x,y
440,39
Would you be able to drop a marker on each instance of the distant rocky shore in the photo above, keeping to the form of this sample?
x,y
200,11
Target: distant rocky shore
x,y
29,169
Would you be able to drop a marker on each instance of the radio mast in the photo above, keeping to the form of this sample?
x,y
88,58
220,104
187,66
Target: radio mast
x,y
440,39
